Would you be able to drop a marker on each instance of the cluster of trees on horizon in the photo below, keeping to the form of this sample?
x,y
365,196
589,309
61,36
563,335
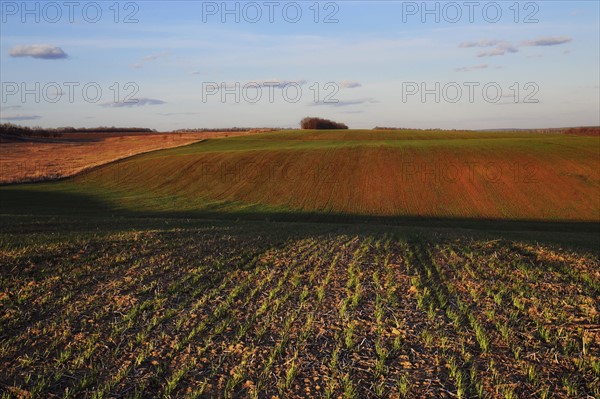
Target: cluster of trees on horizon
x,y
321,124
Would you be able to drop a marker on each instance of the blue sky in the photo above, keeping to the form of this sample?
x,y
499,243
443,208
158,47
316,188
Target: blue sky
x,y
376,63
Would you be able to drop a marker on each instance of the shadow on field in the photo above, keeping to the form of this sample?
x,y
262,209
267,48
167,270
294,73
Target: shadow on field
x,y
58,204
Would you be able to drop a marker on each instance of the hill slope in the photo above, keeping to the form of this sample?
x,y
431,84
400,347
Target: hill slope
x,y
472,175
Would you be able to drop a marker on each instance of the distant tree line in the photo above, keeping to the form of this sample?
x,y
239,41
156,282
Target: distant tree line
x,y
229,130
579,131
16,130
103,129
584,131
320,124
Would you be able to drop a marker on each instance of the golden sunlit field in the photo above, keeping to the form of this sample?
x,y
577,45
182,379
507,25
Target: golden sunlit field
x,y
40,159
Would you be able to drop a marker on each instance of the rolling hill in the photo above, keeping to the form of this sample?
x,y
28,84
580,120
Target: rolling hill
x,y
392,174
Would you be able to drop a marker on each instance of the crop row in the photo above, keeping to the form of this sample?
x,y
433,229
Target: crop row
x,y
226,312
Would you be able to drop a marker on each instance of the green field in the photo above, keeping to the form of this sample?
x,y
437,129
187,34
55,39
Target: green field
x,y
336,175
310,264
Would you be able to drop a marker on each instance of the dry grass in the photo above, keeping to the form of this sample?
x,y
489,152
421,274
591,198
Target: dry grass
x,y
47,159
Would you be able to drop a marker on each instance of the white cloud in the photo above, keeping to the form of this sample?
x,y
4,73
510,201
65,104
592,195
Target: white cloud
x,y
40,51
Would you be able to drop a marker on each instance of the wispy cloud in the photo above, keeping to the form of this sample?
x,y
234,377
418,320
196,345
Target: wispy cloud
x,y
40,51
483,43
347,103
497,51
502,47
150,58
7,107
276,83
349,84
20,117
547,41
140,102
471,68
177,113
281,83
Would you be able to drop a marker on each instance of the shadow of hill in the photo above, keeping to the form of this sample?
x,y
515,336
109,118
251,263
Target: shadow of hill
x,y
62,205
